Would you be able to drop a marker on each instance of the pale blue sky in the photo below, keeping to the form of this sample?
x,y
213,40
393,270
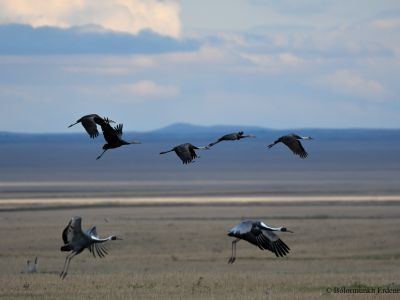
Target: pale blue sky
x,y
277,64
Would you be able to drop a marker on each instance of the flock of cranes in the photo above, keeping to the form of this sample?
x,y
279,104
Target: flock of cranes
x,y
112,135
253,231
186,152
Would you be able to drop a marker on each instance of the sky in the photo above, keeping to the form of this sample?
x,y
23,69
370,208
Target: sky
x,y
151,63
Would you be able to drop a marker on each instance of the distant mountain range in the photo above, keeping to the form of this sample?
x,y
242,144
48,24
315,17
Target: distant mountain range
x,y
197,132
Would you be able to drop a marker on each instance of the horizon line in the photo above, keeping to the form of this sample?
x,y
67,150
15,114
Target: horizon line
x,y
239,127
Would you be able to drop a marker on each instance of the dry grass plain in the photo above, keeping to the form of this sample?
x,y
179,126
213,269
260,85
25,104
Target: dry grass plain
x,y
181,252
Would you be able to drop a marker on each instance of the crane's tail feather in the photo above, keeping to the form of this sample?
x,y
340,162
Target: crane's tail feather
x,y
91,249
99,253
102,250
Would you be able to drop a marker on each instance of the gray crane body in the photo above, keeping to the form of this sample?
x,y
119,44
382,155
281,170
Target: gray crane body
x,y
259,234
232,137
76,240
292,141
186,152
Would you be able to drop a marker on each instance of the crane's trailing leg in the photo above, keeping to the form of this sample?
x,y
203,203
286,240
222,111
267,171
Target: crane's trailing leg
x,y
98,157
73,124
233,255
66,264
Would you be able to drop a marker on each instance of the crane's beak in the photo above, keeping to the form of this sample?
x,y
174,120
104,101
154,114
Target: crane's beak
x,y
287,230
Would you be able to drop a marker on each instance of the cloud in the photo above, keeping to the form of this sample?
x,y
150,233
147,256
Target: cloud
x,y
206,54
281,59
350,82
294,7
25,40
273,63
129,16
389,23
149,89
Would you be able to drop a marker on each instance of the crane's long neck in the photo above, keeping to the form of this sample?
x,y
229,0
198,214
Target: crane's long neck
x,y
271,228
203,148
274,143
99,240
275,228
166,151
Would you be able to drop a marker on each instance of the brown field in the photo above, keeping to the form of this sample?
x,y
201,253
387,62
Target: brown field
x,y
180,251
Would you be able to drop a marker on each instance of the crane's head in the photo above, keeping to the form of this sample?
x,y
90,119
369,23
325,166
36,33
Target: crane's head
x,y
115,238
106,147
284,229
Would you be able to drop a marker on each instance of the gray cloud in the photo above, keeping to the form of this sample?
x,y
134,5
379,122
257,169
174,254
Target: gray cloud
x,y
129,16
20,39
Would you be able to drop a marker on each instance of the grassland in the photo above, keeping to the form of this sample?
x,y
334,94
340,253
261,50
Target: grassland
x,y
181,252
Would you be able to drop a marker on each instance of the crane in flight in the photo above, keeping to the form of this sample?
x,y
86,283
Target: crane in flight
x,y
76,240
259,234
236,136
292,141
90,122
186,152
113,136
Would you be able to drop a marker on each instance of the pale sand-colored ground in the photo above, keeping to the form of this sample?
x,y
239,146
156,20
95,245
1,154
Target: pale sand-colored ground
x,y
8,204
173,251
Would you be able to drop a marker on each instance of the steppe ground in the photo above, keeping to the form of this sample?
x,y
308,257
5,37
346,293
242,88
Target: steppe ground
x,y
181,252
